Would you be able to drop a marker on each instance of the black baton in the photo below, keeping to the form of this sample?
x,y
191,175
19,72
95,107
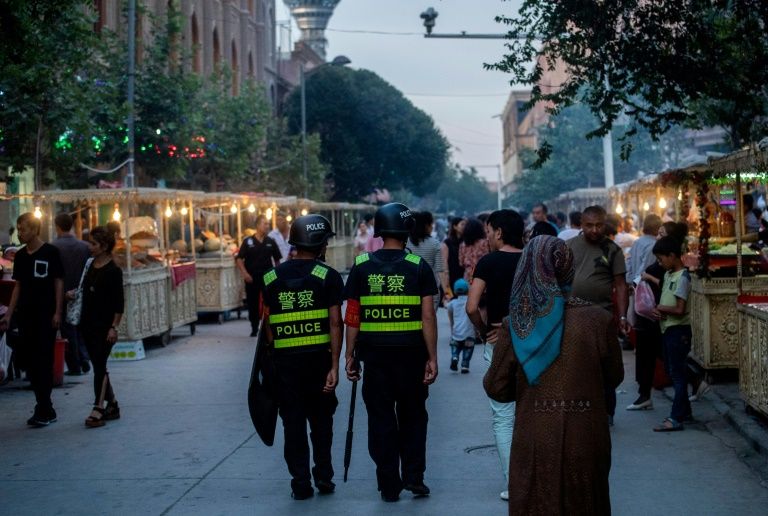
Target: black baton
x,y
350,432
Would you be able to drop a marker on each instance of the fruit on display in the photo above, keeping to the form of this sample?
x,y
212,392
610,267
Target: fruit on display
x,y
180,246
212,244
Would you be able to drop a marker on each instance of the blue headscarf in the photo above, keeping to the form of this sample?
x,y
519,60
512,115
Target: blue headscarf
x,y
537,306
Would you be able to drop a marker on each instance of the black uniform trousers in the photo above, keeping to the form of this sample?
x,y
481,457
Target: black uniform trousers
x,y
37,338
395,398
252,292
300,377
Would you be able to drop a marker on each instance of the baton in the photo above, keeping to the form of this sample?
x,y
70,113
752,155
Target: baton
x,y
348,445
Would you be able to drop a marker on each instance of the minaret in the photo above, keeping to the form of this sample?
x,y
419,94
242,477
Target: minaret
x,y
312,18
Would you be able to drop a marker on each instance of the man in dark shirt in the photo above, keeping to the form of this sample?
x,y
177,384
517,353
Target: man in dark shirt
x,y
74,253
493,276
303,300
258,254
37,297
391,321
600,272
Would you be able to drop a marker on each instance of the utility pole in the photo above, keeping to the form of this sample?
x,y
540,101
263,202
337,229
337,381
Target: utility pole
x,y
129,178
304,163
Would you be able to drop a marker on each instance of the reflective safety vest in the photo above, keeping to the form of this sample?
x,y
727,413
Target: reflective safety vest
x,y
298,310
390,304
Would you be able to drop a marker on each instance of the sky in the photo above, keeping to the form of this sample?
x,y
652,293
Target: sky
x,y
443,77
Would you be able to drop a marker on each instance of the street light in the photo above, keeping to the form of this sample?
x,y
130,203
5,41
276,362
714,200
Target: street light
x,y
337,61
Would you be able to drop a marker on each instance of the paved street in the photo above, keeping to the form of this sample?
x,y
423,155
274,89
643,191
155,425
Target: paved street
x,y
185,445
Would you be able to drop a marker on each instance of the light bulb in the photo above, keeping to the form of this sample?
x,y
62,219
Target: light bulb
x,y
184,210
251,208
168,211
233,209
288,218
646,206
38,212
304,212
662,203
680,196
619,209
268,213
116,214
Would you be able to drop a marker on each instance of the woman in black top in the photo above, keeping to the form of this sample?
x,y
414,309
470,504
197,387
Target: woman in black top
x,y
102,311
450,250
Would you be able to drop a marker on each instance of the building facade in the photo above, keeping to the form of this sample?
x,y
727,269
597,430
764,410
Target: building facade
x,y
239,34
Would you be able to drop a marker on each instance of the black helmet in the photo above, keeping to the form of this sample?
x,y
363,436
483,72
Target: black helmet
x,y
311,231
393,219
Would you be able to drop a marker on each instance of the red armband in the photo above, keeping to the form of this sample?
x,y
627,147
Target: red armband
x,y
352,316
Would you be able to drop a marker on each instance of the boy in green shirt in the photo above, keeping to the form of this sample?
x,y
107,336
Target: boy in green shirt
x,y
674,317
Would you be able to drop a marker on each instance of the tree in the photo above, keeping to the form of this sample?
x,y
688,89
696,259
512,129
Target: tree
x,y
652,61
230,130
50,86
372,136
577,161
281,168
464,191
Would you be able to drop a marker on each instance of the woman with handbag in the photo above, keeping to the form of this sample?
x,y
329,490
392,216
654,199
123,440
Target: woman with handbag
x,y
102,310
554,355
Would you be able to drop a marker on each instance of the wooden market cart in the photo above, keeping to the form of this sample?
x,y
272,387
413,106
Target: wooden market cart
x,y
159,296
220,286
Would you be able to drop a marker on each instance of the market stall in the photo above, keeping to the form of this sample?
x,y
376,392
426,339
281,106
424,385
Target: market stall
x,y
725,267
223,221
158,279
753,363
344,219
577,200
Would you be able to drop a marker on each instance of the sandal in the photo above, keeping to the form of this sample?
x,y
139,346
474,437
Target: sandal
x,y
112,411
669,425
96,419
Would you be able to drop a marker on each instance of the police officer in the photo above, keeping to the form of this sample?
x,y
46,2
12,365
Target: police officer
x,y
391,325
302,300
258,254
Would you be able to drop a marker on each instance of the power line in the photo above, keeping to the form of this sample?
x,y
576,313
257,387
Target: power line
x,y
479,144
457,95
379,32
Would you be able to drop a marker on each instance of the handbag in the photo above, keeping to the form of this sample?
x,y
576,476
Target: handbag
x,y
645,302
75,306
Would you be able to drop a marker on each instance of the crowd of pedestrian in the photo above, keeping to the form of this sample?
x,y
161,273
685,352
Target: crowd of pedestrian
x,y
548,299
48,277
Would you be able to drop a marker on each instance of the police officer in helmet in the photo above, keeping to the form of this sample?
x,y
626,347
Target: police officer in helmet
x,y
392,329
303,300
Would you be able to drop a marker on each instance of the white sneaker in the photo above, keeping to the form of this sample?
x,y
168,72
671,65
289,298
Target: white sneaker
x,y
504,495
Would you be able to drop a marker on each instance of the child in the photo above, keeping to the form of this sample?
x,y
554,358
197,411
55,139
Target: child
x,y
673,315
462,330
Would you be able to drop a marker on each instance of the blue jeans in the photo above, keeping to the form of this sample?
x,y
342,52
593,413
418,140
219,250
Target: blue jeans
x,y
461,348
503,422
677,345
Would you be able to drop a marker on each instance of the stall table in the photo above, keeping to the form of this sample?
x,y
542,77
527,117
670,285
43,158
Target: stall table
x,y
715,322
182,292
753,373
220,286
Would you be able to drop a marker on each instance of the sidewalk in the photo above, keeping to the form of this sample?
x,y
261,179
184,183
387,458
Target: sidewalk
x,y
185,445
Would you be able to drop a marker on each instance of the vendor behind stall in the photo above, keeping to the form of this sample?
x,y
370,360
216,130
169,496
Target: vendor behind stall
x,y
258,254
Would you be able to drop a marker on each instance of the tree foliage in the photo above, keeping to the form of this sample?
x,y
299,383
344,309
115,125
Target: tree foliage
x,y
52,89
464,192
577,162
372,136
661,62
281,168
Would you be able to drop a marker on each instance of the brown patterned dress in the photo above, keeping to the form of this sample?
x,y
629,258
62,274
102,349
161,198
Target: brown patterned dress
x,y
561,449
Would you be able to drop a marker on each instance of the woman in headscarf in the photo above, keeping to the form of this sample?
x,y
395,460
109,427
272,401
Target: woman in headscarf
x,y
554,355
